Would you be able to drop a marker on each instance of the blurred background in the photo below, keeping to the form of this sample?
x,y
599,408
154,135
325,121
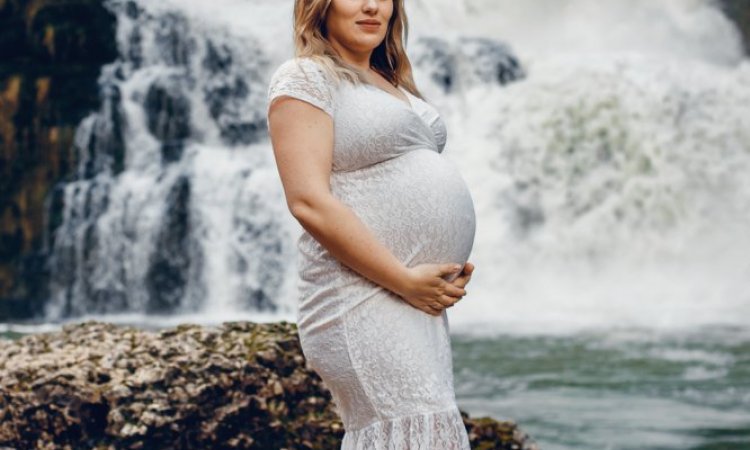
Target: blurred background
x,y
606,146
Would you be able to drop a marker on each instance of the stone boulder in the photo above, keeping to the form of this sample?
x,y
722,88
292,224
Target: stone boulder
x,y
241,385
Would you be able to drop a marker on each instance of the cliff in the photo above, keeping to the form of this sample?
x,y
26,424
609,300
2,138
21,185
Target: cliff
x,y
51,52
241,385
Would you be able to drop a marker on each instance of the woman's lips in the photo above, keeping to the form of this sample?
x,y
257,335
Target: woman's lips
x,y
369,25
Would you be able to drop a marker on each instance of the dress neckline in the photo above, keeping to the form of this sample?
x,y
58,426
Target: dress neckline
x,y
408,103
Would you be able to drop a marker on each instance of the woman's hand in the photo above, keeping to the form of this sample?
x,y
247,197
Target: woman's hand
x,y
426,289
465,276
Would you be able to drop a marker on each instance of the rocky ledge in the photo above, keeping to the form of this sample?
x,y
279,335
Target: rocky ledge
x,y
96,385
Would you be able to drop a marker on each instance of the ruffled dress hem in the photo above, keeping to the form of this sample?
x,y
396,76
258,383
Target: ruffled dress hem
x,y
443,430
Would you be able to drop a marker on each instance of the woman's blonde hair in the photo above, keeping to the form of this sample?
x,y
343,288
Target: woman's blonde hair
x,y
389,58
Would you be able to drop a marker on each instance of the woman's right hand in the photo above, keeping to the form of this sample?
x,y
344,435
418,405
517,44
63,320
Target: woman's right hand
x,y
425,287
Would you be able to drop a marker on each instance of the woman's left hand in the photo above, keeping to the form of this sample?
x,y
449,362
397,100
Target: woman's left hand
x,y
464,277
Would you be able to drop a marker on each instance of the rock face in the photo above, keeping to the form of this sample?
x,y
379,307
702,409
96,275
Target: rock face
x,y
241,385
739,12
51,52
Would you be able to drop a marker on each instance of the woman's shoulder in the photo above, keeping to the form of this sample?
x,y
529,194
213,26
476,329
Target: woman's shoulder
x,y
301,67
305,79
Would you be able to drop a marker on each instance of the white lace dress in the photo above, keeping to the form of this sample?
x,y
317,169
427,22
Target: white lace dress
x,y
387,364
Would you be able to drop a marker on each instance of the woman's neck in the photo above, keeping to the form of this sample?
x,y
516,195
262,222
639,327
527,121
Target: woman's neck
x,y
357,59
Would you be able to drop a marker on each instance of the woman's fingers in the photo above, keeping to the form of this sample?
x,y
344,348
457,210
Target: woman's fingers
x,y
449,301
429,309
432,310
463,279
444,301
454,291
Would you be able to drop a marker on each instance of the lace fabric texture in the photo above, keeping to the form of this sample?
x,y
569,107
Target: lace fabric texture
x,y
304,80
387,364
442,430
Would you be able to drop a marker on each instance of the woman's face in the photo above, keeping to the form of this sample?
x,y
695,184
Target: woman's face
x,y
358,25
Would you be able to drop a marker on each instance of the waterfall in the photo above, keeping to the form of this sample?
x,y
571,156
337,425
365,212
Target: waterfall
x,y
606,146
175,207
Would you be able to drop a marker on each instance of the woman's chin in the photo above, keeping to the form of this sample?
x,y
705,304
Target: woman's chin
x,y
367,43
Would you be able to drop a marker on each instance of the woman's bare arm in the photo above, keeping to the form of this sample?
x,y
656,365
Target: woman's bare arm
x,y
302,138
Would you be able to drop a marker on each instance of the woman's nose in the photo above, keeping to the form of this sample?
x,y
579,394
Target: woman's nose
x,y
371,5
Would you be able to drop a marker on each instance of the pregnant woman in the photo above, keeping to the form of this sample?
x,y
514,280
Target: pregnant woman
x,y
388,224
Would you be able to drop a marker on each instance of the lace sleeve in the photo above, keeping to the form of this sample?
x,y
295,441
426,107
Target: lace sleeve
x,y
302,79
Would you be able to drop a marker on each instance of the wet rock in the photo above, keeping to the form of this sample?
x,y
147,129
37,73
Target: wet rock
x,y
240,385
466,62
739,12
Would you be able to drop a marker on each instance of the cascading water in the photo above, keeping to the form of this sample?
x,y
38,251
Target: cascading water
x,y
611,181
177,208
606,162
174,208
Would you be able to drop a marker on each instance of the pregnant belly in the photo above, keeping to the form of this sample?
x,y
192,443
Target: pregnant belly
x,y
417,204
